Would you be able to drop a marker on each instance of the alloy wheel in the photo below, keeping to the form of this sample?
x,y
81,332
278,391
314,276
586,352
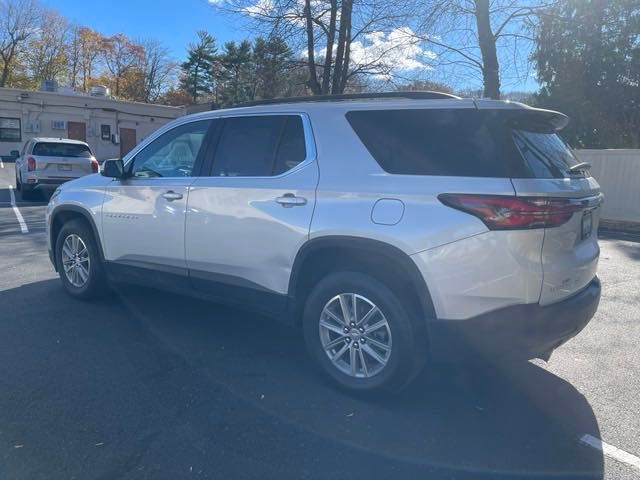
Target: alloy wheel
x,y
355,335
75,260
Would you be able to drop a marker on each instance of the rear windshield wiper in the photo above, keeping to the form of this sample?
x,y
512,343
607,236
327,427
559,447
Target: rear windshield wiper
x,y
579,167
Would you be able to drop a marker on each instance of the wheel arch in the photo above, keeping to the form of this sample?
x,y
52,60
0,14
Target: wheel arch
x,y
65,213
319,256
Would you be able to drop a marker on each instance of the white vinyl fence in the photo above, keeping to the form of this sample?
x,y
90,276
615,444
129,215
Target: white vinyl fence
x,y
618,173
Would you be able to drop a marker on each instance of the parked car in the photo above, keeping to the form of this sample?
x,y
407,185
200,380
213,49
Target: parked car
x,y
396,230
45,163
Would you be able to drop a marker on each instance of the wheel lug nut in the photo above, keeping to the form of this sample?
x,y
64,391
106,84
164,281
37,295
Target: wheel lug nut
x,y
348,340
352,324
363,340
355,345
345,330
361,329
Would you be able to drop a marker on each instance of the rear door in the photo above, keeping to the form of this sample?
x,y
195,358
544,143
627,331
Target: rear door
x,y
62,160
251,210
570,251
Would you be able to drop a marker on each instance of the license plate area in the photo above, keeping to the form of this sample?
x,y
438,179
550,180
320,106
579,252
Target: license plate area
x,y
64,168
587,224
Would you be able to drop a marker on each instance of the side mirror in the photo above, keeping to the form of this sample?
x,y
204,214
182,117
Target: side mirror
x,y
14,153
113,168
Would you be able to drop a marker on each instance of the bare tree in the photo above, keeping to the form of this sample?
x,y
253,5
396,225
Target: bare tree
x,y
340,40
18,23
480,35
158,70
46,56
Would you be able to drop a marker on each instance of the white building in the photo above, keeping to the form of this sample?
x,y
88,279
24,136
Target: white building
x,y
110,127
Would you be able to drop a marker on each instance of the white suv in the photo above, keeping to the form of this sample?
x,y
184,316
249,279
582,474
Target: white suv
x,y
395,229
45,163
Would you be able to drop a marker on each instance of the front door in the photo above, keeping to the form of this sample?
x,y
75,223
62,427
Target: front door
x,y
143,215
77,131
251,210
127,140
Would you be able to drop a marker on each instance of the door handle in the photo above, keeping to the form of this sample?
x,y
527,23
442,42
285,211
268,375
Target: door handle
x,y
171,196
290,200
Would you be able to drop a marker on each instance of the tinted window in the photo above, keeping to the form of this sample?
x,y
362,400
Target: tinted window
x,y
173,154
259,146
74,150
545,154
455,142
292,150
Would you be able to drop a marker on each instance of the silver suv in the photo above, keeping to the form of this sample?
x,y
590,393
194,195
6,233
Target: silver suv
x,y
395,229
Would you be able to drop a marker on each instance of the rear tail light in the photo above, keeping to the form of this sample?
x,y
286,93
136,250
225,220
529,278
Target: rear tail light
x,y
94,166
514,213
31,164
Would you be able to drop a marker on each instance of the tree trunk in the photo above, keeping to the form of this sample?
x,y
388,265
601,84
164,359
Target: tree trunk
x,y
347,52
345,20
7,59
331,36
311,60
487,42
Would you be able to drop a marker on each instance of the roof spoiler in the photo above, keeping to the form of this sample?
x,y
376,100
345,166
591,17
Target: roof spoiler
x,y
538,120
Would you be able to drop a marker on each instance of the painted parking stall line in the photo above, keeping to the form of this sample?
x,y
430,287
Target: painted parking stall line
x,y
23,224
611,451
1,163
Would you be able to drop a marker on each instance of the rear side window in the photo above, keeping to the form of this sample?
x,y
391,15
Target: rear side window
x,y
451,142
259,146
74,150
545,154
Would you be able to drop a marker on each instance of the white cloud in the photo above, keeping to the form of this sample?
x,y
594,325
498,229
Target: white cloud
x,y
397,50
216,2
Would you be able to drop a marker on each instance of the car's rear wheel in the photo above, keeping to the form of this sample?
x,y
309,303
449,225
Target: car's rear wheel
x,y
18,183
78,260
361,334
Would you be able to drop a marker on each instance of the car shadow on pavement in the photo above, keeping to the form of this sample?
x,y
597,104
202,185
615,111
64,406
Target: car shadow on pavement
x,y
155,352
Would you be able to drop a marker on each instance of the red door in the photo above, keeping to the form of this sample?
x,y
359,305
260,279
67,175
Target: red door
x,y
127,140
77,131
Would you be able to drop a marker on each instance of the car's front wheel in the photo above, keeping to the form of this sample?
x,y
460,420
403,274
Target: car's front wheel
x,y
361,333
78,260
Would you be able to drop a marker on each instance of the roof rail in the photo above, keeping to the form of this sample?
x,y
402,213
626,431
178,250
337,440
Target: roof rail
x,y
414,95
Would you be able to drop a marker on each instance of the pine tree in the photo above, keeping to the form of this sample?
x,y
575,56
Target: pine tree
x,y
197,71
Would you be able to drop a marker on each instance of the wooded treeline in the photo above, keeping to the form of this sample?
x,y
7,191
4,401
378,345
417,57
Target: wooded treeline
x,y
582,56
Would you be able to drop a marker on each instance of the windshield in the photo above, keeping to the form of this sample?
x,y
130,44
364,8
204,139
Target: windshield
x,y
545,154
55,149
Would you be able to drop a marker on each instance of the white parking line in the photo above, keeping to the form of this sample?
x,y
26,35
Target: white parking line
x,y
23,224
611,451
1,164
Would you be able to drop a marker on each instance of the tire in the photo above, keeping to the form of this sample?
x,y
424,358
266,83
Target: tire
x,y
403,336
18,183
95,283
28,193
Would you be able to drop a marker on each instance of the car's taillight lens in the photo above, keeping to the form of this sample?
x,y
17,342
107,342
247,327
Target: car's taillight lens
x,y
513,213
31,164
94,166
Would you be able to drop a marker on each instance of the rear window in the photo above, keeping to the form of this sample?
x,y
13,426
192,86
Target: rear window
x,y
55,149
546,155
451,142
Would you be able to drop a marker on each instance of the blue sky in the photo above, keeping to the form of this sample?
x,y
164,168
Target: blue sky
x,y
173,22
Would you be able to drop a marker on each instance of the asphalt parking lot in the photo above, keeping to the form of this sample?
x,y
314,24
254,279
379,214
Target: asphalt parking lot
x,y
147,385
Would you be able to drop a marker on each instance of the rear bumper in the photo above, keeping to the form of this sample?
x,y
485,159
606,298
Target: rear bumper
x,y
517,332
47,182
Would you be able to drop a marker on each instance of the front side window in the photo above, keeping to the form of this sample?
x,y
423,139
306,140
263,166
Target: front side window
x,y
54,149
259,146
10,130
172,154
